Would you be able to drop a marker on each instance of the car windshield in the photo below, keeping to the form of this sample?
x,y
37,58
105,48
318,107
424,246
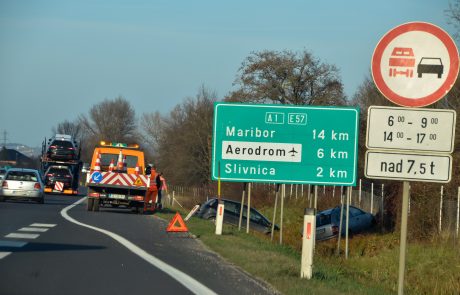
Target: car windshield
x,y
21,176
430,61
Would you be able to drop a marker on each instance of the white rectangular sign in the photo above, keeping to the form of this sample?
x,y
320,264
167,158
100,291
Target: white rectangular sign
x,y
261,151
411,129
408,166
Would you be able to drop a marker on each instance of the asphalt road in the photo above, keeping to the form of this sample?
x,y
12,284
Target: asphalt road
x,y
56,248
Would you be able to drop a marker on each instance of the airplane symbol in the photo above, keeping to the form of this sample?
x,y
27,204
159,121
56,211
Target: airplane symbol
x,y
293,152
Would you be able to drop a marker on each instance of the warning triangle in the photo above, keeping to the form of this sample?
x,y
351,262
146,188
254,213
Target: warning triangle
x,y
138,182
172,227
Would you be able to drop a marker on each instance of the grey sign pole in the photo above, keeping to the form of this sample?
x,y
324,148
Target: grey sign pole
x,y
242,206
403,240
274,211
248,214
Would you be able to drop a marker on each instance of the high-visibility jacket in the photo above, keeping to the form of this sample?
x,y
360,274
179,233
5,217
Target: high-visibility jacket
x,y
163,184
155,182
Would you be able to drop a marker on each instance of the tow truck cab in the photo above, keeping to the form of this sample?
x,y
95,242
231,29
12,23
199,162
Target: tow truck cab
x,y
109,152
116,177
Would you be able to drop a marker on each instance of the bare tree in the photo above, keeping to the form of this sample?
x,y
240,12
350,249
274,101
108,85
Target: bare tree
x,y
288,78
453,17
151,130
184,150
71,128
112,120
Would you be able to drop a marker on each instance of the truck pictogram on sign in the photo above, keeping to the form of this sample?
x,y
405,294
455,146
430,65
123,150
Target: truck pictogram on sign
x,y
402,62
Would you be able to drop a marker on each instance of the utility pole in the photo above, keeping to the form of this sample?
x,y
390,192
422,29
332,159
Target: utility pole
x,y
4,137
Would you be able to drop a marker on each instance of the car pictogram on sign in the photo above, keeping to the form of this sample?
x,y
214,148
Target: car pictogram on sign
x,y
430,65
402,57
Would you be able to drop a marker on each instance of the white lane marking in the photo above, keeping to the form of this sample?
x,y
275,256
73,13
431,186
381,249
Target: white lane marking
x,y
181,277
34,229
12,244
43,225
22,236
4,254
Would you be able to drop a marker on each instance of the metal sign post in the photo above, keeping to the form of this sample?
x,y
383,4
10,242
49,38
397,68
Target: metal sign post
x,y
220,208
283,194
242,206
248,214
403,239
274,211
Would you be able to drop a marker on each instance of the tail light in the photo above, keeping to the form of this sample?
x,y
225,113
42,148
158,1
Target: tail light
x,y
5,184
71,148
53,146
50,174
335,230
138,198
96,195
68,176
37,186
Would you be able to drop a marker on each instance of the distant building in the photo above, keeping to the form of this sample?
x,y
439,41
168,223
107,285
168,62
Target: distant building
x,y
10,157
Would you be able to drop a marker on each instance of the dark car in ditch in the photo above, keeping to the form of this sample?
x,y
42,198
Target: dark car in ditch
x,y
257,221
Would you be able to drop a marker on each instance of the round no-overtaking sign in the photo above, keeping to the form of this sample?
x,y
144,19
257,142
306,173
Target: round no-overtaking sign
x,y
415,64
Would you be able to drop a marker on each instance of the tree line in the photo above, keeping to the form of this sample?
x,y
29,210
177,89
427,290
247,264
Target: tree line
x,y
179,142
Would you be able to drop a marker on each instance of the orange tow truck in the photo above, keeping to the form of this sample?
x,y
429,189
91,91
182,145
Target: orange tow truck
x,y
117,177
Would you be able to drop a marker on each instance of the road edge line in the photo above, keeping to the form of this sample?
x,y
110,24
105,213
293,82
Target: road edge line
x,y
184,279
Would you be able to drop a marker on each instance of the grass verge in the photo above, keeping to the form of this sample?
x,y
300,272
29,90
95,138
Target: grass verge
x,y
279,265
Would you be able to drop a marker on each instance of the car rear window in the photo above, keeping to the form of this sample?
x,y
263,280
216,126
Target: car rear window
x,y
62,144
323,219
59,171
21,176
131,161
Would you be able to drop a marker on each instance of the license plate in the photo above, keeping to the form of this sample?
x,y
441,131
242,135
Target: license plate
x,y
117,196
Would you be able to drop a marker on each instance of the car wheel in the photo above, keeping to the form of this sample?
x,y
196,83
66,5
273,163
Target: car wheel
x,y
89,204
2,199
96,205
42,200
210,217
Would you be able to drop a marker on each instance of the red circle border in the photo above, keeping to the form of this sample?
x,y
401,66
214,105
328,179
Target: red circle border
x,y
431,98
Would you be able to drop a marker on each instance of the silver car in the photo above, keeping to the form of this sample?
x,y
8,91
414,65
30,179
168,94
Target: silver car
x,y
21,183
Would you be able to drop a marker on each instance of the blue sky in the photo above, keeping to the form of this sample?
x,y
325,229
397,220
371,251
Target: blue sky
x,y
58,58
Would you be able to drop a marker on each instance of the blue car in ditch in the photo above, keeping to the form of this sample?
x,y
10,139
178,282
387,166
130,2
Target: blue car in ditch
x,y
328,222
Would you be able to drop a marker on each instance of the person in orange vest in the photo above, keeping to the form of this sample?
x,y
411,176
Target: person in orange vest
x,y
162,187
152,190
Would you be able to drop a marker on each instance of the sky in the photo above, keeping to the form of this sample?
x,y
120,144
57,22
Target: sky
x,y
59,58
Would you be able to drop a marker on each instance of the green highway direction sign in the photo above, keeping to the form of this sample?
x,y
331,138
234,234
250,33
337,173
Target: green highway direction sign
x,y
285,144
